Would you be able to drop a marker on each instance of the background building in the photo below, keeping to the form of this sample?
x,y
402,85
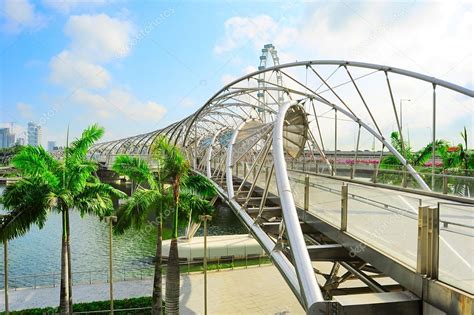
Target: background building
x,y
7,138
20,141
51,145
34,134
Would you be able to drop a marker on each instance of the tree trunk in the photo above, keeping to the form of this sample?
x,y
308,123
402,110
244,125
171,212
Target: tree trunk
x,y
69,265
172,279
172,270
157,281
64,291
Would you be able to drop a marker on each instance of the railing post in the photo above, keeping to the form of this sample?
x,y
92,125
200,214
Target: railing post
x,y
404,178
433,242
344,203
422,247
374,179
445,183
306,193
245,169
237,169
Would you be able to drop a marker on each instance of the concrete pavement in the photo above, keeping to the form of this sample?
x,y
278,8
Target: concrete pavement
x,y
256,290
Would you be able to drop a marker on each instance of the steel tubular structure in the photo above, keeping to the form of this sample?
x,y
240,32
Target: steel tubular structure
x,y
247,135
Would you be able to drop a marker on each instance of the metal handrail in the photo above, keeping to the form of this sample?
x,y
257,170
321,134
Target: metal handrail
x,y
122,273
116,310
384,206
432,194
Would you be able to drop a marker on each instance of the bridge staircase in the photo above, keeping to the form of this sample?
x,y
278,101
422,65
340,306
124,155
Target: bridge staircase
x,y
350,284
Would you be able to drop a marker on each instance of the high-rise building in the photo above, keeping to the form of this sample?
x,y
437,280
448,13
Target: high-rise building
x,y
7,138
51,146
34,134
20,141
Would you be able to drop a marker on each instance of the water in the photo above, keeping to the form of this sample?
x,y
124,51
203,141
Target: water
x,y
38,252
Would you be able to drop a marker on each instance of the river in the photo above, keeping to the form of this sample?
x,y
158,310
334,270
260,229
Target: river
x,y
38,251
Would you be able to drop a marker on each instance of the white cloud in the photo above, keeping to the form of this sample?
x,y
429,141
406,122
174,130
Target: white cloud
x,y
68,70
118,102
240,30
95,40
66,6
187,102
430,38
99,38
249,69
227,78
25,110
20,15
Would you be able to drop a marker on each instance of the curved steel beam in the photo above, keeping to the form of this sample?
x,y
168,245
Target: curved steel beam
x,y
209,151
403,72
285,267
304,270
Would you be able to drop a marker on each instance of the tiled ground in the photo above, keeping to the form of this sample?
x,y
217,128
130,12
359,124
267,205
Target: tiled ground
x,y
257,290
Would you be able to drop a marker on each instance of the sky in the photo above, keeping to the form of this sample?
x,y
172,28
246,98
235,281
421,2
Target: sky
x,y
136,66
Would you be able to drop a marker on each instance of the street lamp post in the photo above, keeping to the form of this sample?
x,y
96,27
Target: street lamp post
x,y
404,175
5,270
401,111
205,218
110,221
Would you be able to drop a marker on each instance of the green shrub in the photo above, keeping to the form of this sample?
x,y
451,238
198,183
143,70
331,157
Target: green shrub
x,y
140,302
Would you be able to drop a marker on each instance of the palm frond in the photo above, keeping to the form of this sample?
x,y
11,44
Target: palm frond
x,y
35,161
423,156
192,206
96,199
134,168
80,147
395,140
173,164
27,203
200,185
136,210
78,174
390,162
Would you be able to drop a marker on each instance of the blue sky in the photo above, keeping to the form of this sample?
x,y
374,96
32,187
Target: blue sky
x,y
135,66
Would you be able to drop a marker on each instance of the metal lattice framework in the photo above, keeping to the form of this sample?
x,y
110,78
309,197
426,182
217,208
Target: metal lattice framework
x,y
246,134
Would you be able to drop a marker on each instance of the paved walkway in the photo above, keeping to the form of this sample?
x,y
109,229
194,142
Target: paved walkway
x,y
256,290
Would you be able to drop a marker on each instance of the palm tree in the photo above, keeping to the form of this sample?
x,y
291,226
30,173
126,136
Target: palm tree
x,y
418,158
169,186
150,197
48,185
191,194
